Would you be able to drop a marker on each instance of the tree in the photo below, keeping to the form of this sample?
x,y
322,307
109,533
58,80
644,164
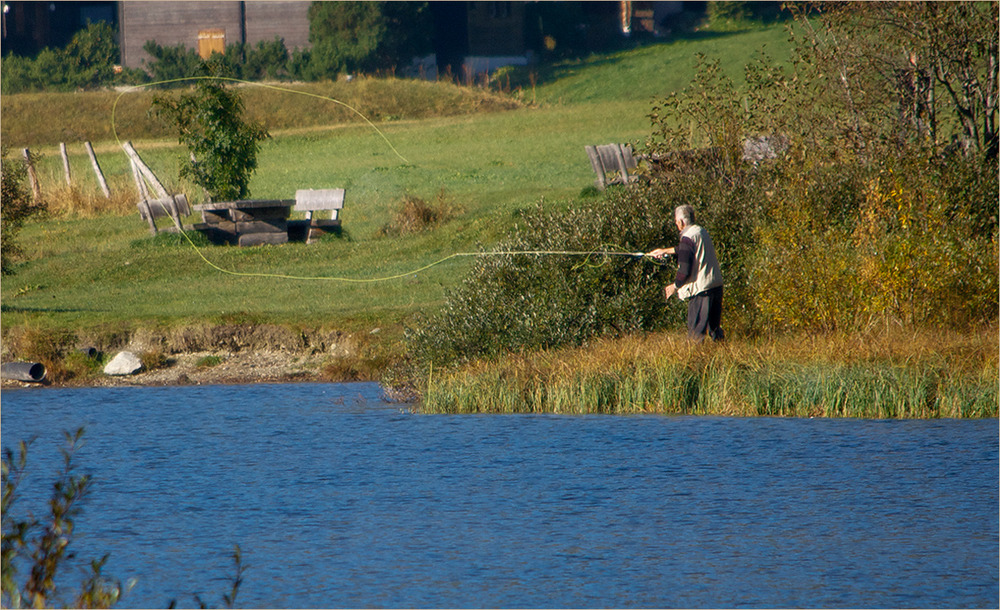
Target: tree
x,y
16,208
223,144
366,36
872,212
936,63
91,56
88,61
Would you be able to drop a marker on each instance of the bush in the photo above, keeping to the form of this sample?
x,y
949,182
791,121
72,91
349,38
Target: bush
x,y
44,544
224,146
207,362
37,549
47,346
266,60
352,37
864,218
415,215
172,63
520,302
87,62
16,209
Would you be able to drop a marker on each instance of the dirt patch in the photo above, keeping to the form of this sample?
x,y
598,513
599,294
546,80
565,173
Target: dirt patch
x,y
204,354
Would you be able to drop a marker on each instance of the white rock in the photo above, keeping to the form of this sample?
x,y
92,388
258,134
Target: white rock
x,y
125,363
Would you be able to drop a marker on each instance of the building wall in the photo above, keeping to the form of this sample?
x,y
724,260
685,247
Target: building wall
x,y
170,23
286,20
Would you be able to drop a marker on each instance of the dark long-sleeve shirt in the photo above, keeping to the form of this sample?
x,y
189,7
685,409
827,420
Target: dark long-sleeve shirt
x,y
685,261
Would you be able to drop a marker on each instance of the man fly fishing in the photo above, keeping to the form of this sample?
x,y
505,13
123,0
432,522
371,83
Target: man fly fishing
x,y
699,278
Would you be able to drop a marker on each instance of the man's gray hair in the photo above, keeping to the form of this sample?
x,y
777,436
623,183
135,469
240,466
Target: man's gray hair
x,y
685,213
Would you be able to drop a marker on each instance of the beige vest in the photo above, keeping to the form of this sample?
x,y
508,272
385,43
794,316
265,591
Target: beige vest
x,y
706,273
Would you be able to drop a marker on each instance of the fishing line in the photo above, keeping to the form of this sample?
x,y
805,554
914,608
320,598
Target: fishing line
x,y
397,276
114,106
588,253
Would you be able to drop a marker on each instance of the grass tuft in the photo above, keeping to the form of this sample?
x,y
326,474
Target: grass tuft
x,y
207,362
415,215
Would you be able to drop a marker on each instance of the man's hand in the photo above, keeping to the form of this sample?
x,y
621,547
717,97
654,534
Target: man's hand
x,y
660,252
670,291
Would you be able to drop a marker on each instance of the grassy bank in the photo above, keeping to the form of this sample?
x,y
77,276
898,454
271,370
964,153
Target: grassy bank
x,y
85,269
93,263
875,375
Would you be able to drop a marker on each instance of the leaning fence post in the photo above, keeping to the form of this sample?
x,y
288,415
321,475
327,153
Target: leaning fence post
x,y
97,170
65,160
139,182
36,189
145,171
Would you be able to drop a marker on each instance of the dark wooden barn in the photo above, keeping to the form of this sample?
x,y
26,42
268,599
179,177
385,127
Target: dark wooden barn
x,y
209,26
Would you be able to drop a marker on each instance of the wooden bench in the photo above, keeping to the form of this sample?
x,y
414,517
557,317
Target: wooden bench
x,y
613,164
311,201
173,207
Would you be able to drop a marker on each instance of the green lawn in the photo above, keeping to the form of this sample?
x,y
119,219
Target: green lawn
x,y
87,272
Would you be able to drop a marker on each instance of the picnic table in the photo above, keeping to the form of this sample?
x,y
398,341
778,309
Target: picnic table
x,y
247,222
252,222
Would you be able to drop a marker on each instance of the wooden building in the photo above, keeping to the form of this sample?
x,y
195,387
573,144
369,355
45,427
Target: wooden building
x,y
29,27
209,26
469,37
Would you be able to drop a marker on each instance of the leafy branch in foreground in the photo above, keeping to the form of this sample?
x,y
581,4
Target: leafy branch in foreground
x,y
229,599
42,546
36,551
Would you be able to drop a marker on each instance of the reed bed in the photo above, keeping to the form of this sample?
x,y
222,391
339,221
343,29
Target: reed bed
x,y
932,374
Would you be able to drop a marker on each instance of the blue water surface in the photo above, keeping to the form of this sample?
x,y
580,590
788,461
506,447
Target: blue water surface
x,y
340,499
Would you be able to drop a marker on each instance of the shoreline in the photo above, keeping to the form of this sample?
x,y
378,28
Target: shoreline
x,y
197,354
234,368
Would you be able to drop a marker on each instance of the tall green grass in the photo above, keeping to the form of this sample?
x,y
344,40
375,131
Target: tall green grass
x,y
837,376
90,269
651,71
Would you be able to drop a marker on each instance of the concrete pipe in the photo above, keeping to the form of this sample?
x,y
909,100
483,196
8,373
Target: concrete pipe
x,y
23,371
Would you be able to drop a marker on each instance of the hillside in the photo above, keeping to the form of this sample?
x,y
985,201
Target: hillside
x,y
481,156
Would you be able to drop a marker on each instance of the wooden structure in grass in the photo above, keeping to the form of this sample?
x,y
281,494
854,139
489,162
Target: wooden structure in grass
x,y
247,222
154,201
253,222
613,164
311,201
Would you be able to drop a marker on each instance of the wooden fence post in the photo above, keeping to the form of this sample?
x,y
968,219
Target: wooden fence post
x,y
144,170
36,189
97,170
139,182
65,160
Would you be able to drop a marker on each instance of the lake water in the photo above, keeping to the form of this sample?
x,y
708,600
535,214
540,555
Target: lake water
x,y
339,499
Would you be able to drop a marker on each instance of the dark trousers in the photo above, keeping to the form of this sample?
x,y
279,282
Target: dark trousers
x,y
705,315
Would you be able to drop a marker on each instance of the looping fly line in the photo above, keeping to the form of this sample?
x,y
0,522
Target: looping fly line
x,y
397,276
587,254
114,106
